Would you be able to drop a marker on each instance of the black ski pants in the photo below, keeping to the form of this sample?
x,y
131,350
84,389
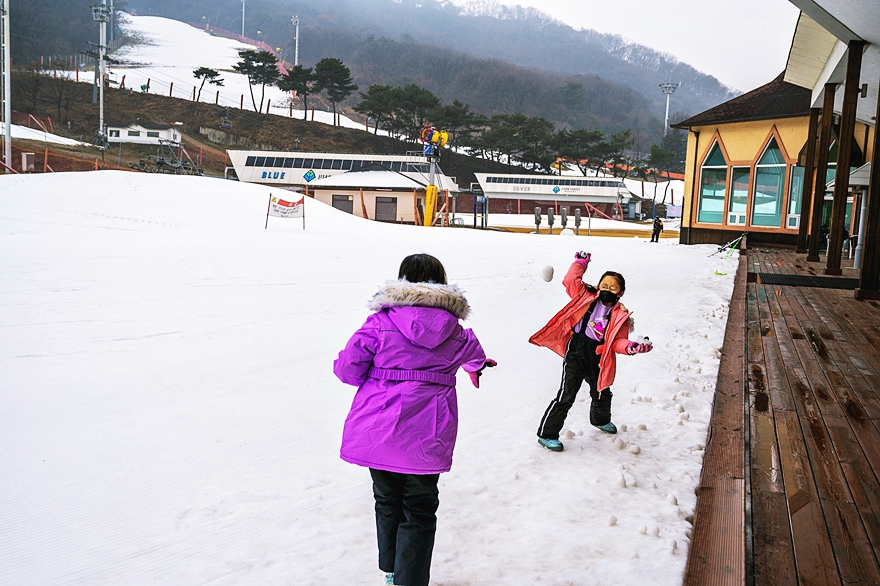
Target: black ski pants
x,y
581,363
406,520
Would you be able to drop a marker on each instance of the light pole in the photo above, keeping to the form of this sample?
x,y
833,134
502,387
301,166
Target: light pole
x,y
668,89
242,17
295,21
101,15
7,96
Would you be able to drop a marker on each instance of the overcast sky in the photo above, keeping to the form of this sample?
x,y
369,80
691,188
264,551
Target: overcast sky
x,y
744,43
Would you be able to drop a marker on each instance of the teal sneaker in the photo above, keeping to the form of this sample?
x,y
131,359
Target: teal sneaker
x,y
551,444
607,428
389,579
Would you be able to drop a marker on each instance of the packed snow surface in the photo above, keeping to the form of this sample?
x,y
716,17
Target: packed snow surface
x,y
170,415
25,133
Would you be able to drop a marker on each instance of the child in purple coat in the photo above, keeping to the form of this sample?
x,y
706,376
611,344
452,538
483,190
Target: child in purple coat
x,y
404,417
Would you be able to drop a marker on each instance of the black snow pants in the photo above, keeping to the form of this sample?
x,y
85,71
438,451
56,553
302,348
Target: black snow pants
x,y
406,520
581,363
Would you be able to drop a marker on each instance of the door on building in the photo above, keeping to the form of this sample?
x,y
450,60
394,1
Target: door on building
x,y
386,209
344,203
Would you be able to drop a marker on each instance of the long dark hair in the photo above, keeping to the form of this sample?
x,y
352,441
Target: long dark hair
x,y
422,268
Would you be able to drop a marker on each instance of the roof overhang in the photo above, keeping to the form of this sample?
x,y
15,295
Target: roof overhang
x,y
825,28
861,177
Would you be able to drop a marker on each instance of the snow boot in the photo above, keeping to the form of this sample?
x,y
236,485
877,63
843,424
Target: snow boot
x,y
389,579
607,428
554,445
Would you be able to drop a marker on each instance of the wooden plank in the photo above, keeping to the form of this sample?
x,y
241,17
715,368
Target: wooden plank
x,y
814,555
717,555
774,367
773,550
861,477
856,560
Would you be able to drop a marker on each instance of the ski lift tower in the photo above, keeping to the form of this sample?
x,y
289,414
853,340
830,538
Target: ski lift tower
x,y
7,95
295,21
101,14
668,89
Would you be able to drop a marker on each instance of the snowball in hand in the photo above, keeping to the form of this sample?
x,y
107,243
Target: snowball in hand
x,y
547,273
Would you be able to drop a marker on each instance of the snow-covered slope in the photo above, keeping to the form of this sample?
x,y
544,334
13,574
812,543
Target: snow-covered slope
x,y
170,415
168,51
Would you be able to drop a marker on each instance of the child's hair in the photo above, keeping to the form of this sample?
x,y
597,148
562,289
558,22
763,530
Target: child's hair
x,y
617,276
422,268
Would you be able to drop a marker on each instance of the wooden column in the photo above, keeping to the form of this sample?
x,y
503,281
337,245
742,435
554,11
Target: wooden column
x,y
844,154
821,172
869,279
809,172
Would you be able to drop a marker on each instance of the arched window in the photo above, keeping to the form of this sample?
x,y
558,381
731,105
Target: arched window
x,y
769,192
713,186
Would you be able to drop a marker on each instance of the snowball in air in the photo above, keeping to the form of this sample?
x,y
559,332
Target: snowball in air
x,y
547,273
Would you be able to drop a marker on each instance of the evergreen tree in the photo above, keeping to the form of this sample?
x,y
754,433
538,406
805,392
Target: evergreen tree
x,y
261,68
582,147
333,77
378,103
301,80
452,118
661,160
212,76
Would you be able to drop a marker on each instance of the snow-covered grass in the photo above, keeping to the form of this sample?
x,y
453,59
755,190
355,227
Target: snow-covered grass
x,y
170,415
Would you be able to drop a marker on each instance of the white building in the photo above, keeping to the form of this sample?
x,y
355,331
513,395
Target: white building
x,y
142,133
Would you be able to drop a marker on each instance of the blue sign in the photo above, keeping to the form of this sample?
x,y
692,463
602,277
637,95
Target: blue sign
x,y
556,189
273,174
309,176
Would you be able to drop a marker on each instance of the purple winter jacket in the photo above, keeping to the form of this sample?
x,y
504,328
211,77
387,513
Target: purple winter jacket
x,y
404,416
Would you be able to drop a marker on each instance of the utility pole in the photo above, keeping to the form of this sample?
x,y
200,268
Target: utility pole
x,y
668,89
101,14
242,17
112,22
7,94
295,21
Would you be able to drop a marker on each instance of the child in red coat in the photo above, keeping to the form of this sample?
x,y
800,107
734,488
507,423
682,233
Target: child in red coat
x,y
588,333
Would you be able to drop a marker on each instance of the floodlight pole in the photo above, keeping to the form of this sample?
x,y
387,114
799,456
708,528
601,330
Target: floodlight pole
x,y
668,89
242,17
7,94
295,21
101,14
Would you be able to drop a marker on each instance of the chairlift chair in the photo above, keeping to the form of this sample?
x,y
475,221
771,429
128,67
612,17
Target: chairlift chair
x,y
225,123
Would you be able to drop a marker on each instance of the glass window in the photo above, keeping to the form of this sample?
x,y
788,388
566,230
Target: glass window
x,y
796,190
737,206
713,186
288,163
307,163
395,166
152,134
250,161
279,161
134,133
328,164
114,133
270,162
298,163
346,165
769,188
337,164
260,162
356,164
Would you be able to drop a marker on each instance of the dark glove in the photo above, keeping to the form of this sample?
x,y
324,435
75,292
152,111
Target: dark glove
x,y
475,376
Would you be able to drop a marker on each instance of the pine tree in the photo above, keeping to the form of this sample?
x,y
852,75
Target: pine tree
x,y
261,68
300,80
212,76
333,77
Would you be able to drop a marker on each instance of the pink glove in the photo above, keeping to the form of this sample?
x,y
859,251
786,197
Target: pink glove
x,y
640,346
475,376
582,258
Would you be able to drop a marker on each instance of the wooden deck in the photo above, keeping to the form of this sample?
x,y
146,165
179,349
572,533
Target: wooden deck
x,y
789,492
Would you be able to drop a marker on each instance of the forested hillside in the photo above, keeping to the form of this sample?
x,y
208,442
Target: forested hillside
x,y
497,59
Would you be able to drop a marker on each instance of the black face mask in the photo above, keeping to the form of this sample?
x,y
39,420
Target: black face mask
x,y
608,298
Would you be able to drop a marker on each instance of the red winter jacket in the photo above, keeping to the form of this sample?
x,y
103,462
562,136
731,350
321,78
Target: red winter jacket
x,y
558,331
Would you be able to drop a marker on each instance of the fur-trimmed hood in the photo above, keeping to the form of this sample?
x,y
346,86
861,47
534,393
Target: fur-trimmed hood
x,y
402,293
